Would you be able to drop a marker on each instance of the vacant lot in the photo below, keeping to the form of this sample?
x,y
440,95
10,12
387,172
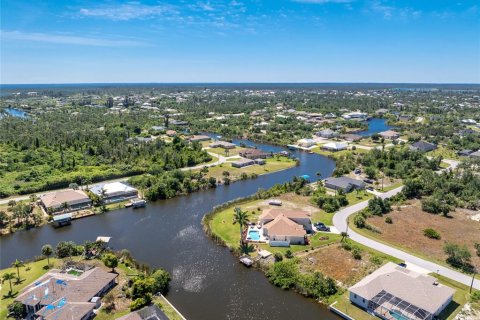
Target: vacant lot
x,y
409,223
337,263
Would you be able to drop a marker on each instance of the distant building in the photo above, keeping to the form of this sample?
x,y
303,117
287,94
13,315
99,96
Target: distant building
x,y
390,134
335,146
254,154
346,184
381,111
199,138
394,292
465,153
352,137
327,133
180,123
69,200
222,144
171,133
114,191
357,115
423,146
60,294
158,128
306,143
243,163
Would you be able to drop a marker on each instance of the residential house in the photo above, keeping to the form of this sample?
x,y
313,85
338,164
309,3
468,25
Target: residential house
x,y
158,128
242,163
346,184
171,133
285,225
356,115
306,143
199,138
330,116
180,123
465,153
390,134
423,146
335,146
152,312
69,199
222,144
114,191
327,133
63,294
254,154
394,292
381,111
351,137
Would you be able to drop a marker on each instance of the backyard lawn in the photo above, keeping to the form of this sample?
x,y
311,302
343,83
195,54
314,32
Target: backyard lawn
x,y
36,270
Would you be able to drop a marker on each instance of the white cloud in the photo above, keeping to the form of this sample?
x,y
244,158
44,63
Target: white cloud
x,y
392,12
128,11
68,39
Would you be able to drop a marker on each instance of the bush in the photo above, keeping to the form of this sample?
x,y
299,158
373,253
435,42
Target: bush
x,y
476,296
357,253
162,280
431,233
288,254
139,303
376,260
477,248
359,221
278,257
388,220
435,206
458,256
283,274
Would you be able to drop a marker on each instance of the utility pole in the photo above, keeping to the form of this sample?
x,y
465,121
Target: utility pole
x,y
473,279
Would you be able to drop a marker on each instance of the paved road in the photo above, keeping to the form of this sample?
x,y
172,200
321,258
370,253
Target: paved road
x,y
340,222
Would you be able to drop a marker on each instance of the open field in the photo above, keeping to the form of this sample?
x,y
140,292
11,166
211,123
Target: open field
x,y
221,151
406,231
444,153
337,154
272,165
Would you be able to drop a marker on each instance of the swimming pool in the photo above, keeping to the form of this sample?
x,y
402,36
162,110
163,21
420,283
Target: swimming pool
x,y
397,315
253,235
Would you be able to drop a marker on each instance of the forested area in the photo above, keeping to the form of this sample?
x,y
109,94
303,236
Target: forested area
x,y
88,145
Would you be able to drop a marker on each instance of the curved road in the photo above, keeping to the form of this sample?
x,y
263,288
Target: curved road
x,y
340,222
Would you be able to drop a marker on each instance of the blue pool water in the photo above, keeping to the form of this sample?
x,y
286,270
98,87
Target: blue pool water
x,y
254,235
397,316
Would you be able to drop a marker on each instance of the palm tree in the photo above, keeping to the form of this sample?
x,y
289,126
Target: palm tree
x,y
65,206
33,198
17,264
344,236
9,276
47,251
240,217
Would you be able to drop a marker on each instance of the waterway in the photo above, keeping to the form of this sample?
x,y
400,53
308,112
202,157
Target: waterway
x,y
208,281
375,125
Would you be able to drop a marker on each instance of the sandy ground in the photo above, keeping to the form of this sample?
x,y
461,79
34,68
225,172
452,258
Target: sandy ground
x,y
409,223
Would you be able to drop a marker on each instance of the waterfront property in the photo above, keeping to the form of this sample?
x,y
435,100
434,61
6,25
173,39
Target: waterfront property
x,y
241,163
222,144
356,115
352,137
327,133
306,143
152,312
395,293
65,200
199,138
390,134
71,293
254,154
346,184
285,226
114,191
335,146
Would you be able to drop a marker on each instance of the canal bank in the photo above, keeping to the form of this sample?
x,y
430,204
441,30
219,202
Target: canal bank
x,y
208,282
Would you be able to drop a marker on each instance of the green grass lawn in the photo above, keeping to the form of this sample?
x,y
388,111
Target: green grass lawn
x,y
272,165
27,277
444,153
391,187
460,297
221,151
337,154
171,313
354,197
322,216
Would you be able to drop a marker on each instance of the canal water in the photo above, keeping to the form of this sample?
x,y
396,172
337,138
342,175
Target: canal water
x,y
208,281
375,125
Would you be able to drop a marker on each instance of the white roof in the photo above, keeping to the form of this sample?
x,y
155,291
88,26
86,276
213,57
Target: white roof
x,y
112,188
336,145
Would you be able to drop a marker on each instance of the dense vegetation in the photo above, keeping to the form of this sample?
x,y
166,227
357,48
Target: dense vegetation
x,y
88,145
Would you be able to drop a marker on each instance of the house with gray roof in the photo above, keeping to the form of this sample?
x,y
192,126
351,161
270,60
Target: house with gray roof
x,y
346,184
423,146
395,292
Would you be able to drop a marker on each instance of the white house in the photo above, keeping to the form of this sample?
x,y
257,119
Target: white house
x,y
394,292
306,143
290,226
335,146
114,191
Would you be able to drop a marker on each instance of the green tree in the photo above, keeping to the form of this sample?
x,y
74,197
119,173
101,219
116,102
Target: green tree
x,y
458,256
283,274
110,260
17,310
9,276
162,280
47,251
242,219
18,264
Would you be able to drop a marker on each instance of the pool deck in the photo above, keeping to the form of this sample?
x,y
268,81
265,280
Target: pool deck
x,y
261,239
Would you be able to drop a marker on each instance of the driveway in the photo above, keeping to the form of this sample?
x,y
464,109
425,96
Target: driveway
x,y
340,222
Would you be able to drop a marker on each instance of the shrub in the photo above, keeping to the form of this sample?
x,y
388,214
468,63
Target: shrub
x,y
376,260
477,247
458,256
357,253
476,296
140,302
283,274
278,257
288,254
435,206
388,220
359,221
431,233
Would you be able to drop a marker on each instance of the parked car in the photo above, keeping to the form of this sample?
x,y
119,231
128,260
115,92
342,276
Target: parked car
x,y
357,171
367,180
370,188
323,228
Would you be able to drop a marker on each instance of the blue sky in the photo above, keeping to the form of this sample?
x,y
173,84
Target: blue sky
x,y
240,41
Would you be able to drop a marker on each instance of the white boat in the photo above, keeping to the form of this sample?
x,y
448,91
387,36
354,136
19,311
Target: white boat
x,y
246,261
